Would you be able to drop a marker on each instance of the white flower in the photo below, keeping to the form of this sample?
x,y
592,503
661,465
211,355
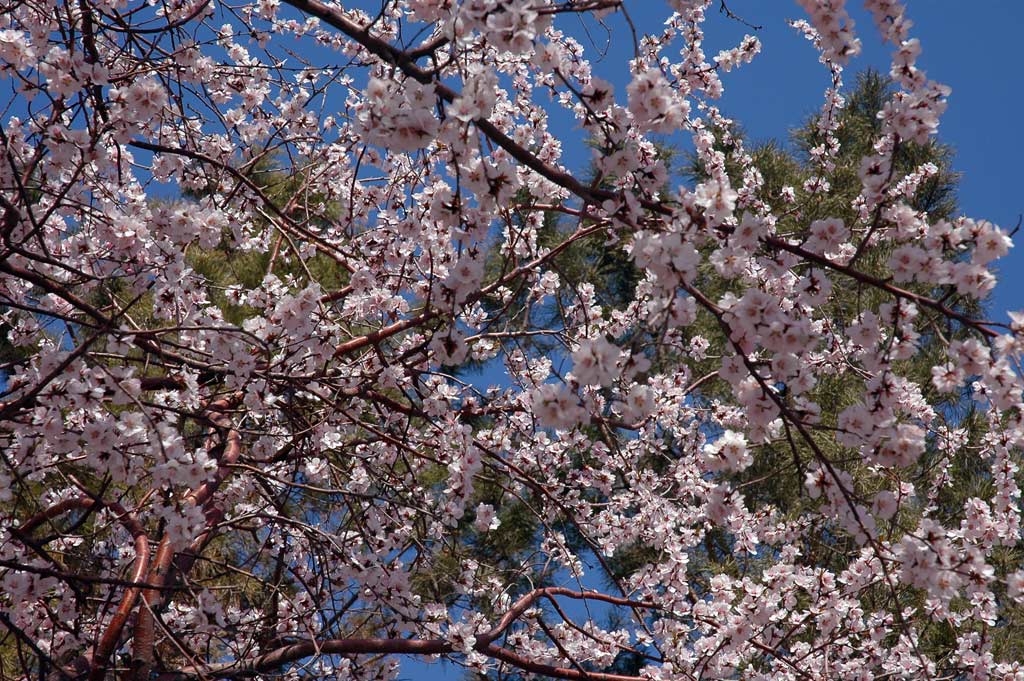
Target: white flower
x,y
1015,586
639,404
728,452
885,504
556,407
654,104
595,362
450,347
398,116
717,199
316,469
486,519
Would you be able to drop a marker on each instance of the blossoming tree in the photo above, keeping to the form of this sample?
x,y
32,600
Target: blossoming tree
x,y
210,474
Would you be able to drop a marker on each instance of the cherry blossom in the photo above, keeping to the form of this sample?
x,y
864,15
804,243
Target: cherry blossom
x,y
320,351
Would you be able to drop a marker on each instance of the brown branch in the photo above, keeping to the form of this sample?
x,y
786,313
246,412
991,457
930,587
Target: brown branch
x,y
108,642
77,577
111,634
524,603
144,637
368,646
724,9
978,325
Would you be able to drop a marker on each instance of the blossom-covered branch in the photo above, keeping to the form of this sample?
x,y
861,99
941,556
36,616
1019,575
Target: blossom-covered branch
x,y
335,334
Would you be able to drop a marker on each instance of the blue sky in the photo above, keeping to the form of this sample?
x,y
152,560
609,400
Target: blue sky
x,y
974,51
